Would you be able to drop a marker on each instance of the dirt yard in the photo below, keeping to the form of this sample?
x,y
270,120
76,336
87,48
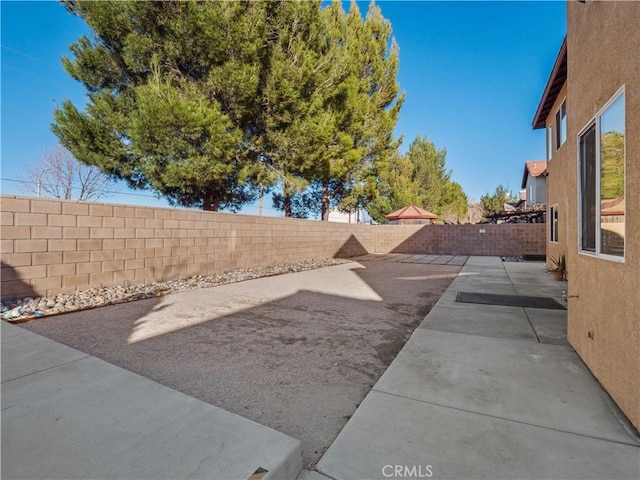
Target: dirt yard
x,y
296,352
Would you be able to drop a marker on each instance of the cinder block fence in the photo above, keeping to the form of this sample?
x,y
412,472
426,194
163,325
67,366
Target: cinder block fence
x,y
52,246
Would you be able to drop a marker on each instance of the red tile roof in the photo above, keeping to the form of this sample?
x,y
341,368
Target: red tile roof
x,y
410,212
534,168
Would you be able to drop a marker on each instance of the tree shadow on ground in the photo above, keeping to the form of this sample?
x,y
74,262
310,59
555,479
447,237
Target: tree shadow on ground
x,y
297,353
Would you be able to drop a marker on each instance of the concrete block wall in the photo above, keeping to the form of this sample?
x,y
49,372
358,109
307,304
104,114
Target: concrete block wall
x,y
54,246
486,239
51,246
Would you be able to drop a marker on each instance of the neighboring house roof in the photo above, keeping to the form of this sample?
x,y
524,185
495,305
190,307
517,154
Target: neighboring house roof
x,y
410,212
534,168
555,83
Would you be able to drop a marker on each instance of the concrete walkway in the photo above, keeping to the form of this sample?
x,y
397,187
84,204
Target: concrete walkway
x,y
66,414
485,391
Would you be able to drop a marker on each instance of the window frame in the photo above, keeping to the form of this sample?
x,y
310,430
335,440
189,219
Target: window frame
x,y
554,223
561,120
595,121
550,142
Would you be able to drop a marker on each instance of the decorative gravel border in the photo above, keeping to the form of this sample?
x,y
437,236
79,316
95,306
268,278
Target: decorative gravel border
x,y
30,308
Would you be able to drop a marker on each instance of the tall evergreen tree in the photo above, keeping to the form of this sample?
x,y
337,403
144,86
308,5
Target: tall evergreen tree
x,y
419,177
364,107
172,89
494,203
203,101
299,76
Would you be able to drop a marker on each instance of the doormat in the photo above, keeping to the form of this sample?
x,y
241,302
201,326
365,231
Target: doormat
x,y
509,300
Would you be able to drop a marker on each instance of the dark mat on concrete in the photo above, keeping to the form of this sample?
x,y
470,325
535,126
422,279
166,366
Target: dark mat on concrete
x,y
509,300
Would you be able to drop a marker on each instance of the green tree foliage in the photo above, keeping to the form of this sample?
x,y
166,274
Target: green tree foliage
x,y
363,106
202,102
419,177
456,203
171,96
494,203
346,106
302,72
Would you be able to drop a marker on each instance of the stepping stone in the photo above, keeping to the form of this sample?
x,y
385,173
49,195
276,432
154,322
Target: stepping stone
x,y
412,259
458,260
442,260
428,259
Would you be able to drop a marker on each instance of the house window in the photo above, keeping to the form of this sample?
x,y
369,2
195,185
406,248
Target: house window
x,y
561,125
549,142
602,181
553,223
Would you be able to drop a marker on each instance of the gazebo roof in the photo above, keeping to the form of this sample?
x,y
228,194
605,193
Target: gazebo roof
x,y
411,212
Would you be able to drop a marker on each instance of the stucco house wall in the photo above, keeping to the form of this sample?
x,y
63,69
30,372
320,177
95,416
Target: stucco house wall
x,y
560,175
603,45
603,41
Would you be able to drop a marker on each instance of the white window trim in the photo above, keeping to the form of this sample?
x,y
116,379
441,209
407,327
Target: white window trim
x,y
555,242
550,142
594,121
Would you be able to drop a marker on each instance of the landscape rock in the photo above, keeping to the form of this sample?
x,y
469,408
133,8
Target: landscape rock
x,y
28,308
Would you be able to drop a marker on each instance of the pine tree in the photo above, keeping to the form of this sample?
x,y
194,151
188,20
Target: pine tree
x,y
364,107
207,102
299,75
171,92
419,177
494,203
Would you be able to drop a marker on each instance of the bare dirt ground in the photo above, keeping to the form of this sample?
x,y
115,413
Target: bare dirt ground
x,y
296,352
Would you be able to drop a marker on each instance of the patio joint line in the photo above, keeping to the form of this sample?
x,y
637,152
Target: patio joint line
x,y
45,369
531,325
630,443
324,473
535,334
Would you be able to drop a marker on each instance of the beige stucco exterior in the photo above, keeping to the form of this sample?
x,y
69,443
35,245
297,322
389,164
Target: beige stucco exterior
x,y
603,55
559,169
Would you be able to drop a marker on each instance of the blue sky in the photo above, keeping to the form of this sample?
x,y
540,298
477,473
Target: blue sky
x,y
473,73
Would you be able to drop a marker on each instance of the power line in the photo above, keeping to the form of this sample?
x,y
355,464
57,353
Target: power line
x,y
111,192
25,55
37,77
21,87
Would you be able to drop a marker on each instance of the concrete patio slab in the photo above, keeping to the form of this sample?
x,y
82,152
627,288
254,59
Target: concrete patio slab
x,y
311,475
530,268
484,261
26,354
550,325
489,273
389,431
482,285
487,401
87,418
542,385
428,259
542,290
442,260
459,260
497,322
412,258
395,257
